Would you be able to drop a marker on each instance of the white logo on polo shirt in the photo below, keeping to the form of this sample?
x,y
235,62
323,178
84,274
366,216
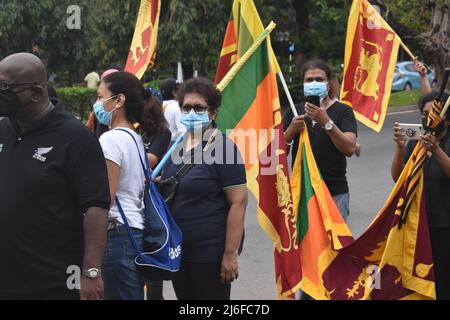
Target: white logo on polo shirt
x,y
38,154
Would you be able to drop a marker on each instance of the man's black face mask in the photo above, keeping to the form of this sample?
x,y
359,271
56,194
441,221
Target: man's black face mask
x,y
9,103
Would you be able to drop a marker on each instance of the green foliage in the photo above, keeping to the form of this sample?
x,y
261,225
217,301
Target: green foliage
x,y
325,36
40,27
78,100
193,31
413,13
404,98
190,31
155,84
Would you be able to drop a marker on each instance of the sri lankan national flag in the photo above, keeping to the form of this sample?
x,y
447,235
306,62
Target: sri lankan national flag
x,y
391,260
243,29
371,49
143,47
251,110
321,228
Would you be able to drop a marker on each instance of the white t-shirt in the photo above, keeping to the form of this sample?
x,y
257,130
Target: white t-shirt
x,y
92,79
119,148
172,113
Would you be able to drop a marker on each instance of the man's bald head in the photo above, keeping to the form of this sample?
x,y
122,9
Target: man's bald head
x,y
27,94
23,67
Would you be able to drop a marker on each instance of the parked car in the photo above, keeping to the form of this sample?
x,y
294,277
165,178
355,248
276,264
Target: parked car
x,y
407,78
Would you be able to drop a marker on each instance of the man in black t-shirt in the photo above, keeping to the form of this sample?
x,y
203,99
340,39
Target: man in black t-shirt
x,y
332,129
54,194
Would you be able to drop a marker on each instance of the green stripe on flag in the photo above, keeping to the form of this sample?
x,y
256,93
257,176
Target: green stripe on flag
x,y
307,192
240,93
245,38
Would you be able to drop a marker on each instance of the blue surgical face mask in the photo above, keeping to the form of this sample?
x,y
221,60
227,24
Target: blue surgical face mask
x,y
104,117
195,121
316,88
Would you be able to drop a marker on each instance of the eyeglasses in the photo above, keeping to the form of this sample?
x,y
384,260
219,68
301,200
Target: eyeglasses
x,y
198,108
101,99
5,85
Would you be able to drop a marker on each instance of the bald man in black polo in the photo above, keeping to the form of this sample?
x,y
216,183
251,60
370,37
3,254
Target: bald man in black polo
x,y
54,193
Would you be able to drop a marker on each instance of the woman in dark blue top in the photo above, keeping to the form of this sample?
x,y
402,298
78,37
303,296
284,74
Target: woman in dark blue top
x,y
210,201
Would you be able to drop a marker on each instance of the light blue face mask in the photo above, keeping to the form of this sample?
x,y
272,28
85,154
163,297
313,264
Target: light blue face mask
x,y
315,88
195,121
104,117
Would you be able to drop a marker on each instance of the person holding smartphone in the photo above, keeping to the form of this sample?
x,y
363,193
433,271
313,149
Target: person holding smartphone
x,y
332,129
436,172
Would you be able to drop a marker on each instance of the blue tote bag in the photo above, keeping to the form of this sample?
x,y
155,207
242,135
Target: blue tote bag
x,y
160,258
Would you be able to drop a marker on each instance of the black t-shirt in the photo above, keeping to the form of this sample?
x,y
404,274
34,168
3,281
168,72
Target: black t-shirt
x,y
49,176
332,163
200,206
158,144
436,185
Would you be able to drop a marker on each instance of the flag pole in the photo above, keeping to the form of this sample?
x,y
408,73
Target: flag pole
x,y
166,157
288,94
235,69
407,50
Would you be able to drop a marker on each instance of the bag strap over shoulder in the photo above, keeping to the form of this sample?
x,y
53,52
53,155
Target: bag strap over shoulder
x,y
146,168
144,163
195,156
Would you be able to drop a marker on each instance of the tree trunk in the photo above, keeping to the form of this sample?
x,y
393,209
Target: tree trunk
x,y
436,42
301,8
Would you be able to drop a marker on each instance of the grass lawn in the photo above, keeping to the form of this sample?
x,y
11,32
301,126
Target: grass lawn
x,y
405,98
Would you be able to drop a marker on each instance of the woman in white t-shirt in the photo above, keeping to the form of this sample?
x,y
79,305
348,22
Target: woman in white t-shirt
x,y
120,104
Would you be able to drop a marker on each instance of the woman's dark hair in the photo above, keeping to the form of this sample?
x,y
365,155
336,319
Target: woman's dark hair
x,y
137,101
115,67
430,97
425,99
153,121
316,64
204,88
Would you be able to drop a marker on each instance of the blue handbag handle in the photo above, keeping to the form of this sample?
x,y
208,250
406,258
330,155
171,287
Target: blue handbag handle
x,y
146,169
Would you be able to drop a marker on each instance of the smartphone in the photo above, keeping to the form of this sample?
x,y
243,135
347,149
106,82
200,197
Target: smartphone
x,y
315,100
412,131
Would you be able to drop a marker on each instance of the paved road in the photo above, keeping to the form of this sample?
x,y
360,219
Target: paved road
x,y
370,184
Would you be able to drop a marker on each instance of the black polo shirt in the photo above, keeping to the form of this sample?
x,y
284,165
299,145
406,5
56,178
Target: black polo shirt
x,y
49,176
331,162
436,186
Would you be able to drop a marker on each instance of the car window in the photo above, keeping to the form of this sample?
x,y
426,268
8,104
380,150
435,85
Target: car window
x,y
410,67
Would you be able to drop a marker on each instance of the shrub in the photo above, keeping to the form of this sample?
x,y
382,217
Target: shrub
x,y
78,100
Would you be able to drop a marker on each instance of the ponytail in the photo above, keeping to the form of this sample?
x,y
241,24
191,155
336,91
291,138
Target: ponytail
x,y
152,119
140,105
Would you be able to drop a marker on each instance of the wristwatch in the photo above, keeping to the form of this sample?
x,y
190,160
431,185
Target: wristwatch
x,y
92,273
329,125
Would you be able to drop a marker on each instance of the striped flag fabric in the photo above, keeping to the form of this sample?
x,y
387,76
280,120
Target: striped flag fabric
x,y
391,260
250,116
244,27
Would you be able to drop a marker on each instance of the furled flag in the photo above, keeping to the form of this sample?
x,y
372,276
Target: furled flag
x,y
250,116
391,260
321,229
243,29
143,47
371,50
